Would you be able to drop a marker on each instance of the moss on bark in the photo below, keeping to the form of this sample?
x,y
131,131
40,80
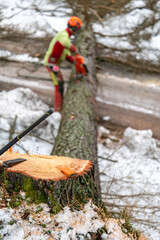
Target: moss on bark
x,y
77,138
77,135
72,192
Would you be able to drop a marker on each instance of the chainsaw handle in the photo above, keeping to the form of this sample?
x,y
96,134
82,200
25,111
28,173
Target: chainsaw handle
x,y
85,67
27,130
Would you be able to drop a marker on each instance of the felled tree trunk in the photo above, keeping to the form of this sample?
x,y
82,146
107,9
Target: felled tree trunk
x,y
72,178
77,135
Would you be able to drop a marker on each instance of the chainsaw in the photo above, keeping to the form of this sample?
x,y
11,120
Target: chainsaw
x,y
81,67
13,162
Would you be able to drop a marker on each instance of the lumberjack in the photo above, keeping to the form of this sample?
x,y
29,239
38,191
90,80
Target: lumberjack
x,y
60,49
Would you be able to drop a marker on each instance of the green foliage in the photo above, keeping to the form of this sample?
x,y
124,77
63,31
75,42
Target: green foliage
x,y
101,230
11,222
69,229
39,209
16,203
127,227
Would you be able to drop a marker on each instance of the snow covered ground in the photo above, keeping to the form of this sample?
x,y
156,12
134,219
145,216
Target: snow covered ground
x,y
122,25
130,177
66,225
130,174
41,17
129,168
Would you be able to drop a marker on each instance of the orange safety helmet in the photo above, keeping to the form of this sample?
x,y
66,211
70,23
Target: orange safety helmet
x,y
74,23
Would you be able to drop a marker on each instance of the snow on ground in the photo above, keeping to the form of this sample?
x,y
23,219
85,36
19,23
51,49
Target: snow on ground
x,y
130,173
26,83
40,18
124,23
24,106
128,106
40,224
66,225
129,169
37,17
16,57
130,177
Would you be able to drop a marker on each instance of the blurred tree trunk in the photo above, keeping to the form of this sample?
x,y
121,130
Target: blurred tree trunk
x,y
77,135
77,139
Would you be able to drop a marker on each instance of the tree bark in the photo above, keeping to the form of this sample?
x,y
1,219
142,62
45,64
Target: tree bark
x,y
45,178
77,136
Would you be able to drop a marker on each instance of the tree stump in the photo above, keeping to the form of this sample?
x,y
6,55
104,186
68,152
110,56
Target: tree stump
x,y
56,180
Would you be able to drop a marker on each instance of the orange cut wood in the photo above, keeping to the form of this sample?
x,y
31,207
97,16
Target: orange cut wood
x,y
46,167
67,171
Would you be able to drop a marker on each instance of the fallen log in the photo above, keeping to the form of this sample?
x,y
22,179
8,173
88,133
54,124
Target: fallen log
x,y
77,136
77,182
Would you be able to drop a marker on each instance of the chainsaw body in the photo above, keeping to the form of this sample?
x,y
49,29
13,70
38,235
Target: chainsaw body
x,y
81,67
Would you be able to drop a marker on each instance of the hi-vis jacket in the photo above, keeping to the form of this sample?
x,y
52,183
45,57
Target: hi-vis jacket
x,y
59,49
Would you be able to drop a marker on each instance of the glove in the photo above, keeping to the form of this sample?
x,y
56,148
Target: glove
x,y
73,49
80,66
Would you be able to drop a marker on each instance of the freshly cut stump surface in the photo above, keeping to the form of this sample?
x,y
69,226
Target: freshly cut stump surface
x,y
46,167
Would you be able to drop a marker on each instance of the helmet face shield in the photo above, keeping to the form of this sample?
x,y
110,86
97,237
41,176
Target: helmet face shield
x,y
75,23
